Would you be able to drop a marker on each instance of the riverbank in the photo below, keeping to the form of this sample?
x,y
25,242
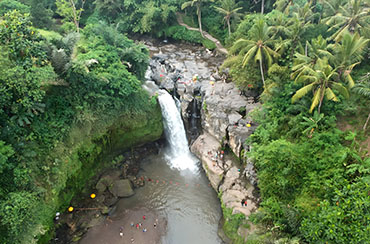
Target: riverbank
x,y
118,179
131,226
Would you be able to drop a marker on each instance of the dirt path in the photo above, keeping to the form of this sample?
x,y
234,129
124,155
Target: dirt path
x,y
205,34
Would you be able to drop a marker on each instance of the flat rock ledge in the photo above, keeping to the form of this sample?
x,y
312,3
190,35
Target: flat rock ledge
x,y
224,177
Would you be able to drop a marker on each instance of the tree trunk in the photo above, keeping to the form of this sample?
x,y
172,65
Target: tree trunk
x,y
367,121
306,49
262,6
228,25
200,20
322,97
263,78
75,17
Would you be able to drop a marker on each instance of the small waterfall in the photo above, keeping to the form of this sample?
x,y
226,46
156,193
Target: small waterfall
x,y
178,153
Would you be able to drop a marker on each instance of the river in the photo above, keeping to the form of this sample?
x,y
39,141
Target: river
x,y
176,185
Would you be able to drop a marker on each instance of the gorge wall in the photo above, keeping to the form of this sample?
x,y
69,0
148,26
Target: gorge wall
x,y
91,147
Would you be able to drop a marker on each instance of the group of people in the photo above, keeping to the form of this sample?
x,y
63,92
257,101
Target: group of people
x,y
138,226
217,157
244,202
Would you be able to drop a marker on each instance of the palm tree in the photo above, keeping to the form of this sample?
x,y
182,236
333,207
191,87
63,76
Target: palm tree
x,y
321,81
363,88
283,5
198,4
293,41
348,54
295,28
331,7
315,50
258,47
230,9
351,17
280,26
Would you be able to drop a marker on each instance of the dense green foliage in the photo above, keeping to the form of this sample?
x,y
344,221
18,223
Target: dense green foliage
x,y
313,178
60,88
57,92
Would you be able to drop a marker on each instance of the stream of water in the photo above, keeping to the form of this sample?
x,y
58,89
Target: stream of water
x,y
176,188
179,189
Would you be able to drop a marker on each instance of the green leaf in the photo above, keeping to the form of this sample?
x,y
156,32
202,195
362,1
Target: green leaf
x,y
329,94
341,89
315,100
301,92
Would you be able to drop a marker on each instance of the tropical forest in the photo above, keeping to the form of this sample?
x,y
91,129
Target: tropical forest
x,y
185,121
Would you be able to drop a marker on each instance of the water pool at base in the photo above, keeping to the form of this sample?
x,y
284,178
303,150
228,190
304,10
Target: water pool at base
x,y
184,197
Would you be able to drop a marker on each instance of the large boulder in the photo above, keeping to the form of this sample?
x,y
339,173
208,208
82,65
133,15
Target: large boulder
x,y
107,180
122,188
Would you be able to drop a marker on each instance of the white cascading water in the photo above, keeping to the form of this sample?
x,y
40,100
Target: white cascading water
x,y
178,153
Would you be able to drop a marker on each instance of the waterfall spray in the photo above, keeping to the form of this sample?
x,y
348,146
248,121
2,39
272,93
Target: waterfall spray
x,y
178,154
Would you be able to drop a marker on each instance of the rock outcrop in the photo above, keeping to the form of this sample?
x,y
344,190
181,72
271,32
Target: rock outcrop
x,y
192,76
225,177
122,188
222,113
225,114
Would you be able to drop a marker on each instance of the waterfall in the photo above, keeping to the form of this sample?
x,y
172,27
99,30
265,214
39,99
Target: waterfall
x,y
178,152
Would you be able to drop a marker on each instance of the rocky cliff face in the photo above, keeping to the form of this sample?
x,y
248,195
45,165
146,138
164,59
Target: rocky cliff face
x,y
222,113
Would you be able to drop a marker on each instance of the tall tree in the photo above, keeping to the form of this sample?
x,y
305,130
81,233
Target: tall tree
x,y
284,5
230,9
331,7
280,25
347,54
198,5
322,81
315,50
259,47
293,41
69,10
363,89
352,17
294,29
